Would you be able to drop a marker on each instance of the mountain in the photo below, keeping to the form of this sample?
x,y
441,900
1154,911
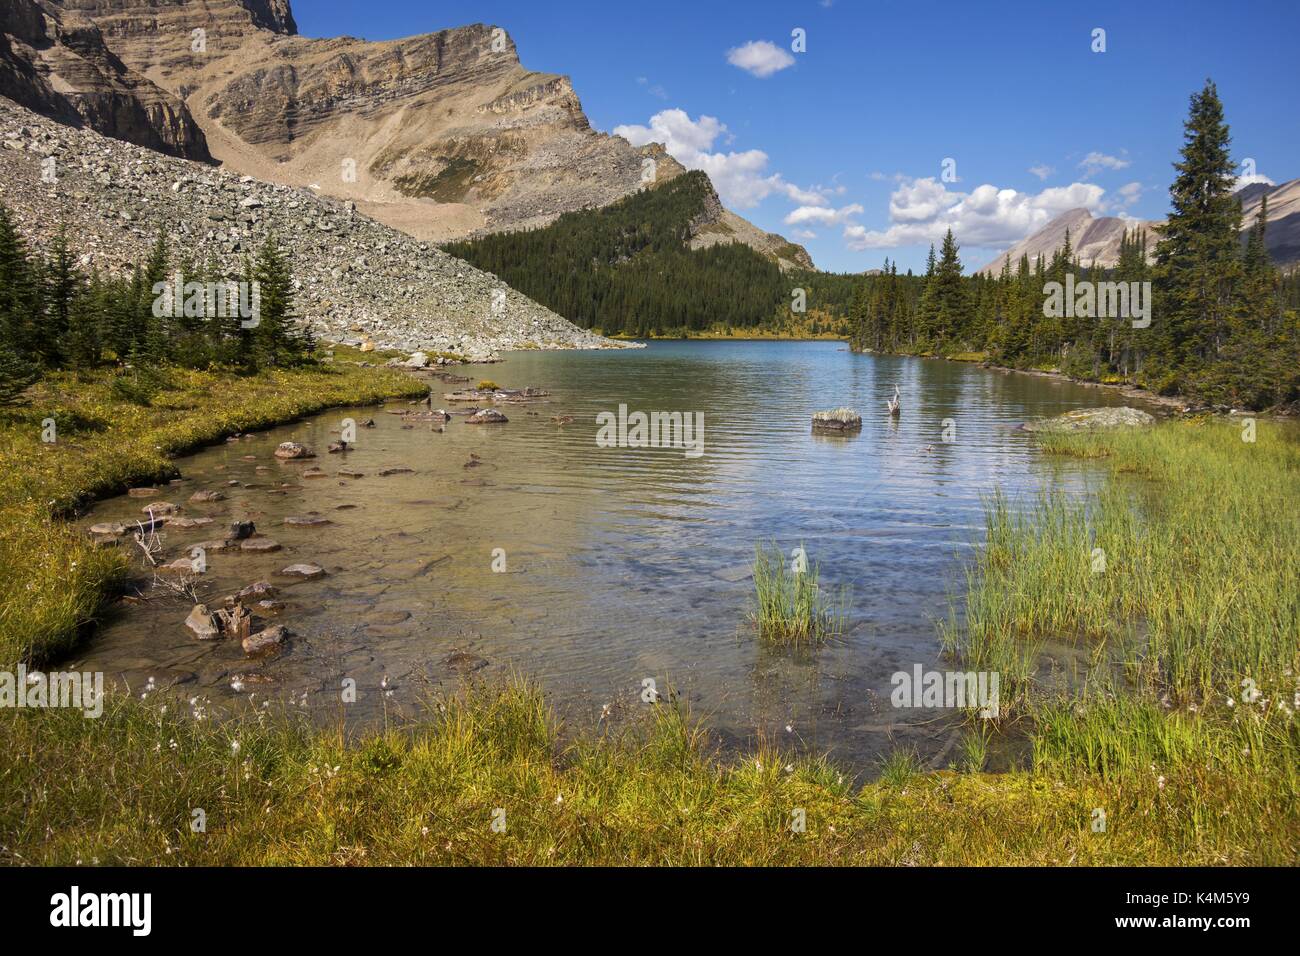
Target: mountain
x,y
354,278
1097,239
55,61
443,135
633,268
1094,239
1282,234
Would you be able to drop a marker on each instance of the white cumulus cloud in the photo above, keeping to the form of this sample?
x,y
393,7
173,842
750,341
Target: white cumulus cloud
x,y
761,58
922,210
1095,162
821,215
741,178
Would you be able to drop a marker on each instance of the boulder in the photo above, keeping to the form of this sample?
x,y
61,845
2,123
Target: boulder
x,y
292,450
142,492
160,508
486,416
266,641
1091,419
109,528
203,623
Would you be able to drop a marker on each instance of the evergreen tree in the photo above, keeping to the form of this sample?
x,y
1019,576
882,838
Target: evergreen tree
x,y
1198,264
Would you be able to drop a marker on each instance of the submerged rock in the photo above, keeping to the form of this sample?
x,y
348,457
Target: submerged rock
x,y
260,545
464,662
1090,419
189,522
202,496
306,571
258,589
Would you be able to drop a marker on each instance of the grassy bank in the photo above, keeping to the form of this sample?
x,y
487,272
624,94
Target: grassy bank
x,y
124,789
1200,538
53,582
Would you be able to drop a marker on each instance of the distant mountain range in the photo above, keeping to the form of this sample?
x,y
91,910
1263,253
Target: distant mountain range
x,y
1097,239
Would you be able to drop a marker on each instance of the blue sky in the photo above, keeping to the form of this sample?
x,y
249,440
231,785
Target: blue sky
x,y
841,147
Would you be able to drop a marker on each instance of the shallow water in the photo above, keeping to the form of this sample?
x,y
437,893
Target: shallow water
x,y
622,564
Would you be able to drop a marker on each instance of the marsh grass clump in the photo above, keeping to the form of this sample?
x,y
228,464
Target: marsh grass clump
x,y
900,769
973,750
790,606
487,385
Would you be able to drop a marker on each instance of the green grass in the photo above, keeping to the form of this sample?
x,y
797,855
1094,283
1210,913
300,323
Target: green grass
x,y
1184,575
123,790
53,581
790,607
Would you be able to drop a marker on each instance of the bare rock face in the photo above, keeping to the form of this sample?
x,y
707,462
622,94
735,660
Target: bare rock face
x,y
443,135
56,62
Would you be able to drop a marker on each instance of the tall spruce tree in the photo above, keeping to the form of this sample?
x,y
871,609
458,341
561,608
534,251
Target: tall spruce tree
x,y
1198,260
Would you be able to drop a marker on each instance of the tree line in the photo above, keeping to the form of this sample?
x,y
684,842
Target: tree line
x,y
54,315
1223,323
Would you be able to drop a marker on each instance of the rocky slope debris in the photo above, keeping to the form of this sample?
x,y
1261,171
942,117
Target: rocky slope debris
x,y
356,280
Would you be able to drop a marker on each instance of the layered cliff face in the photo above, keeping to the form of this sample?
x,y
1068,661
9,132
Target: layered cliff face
x,y
442,135
56,62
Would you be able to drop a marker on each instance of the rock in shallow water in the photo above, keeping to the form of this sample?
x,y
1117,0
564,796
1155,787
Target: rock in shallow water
x,y
267,641
1089,419
486,416
293,450
306,571
203,623
837,421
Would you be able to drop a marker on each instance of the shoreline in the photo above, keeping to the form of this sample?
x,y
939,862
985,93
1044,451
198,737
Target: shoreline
x,y
500,746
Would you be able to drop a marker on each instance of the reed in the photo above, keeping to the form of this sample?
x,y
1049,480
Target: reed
x,y
790,606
